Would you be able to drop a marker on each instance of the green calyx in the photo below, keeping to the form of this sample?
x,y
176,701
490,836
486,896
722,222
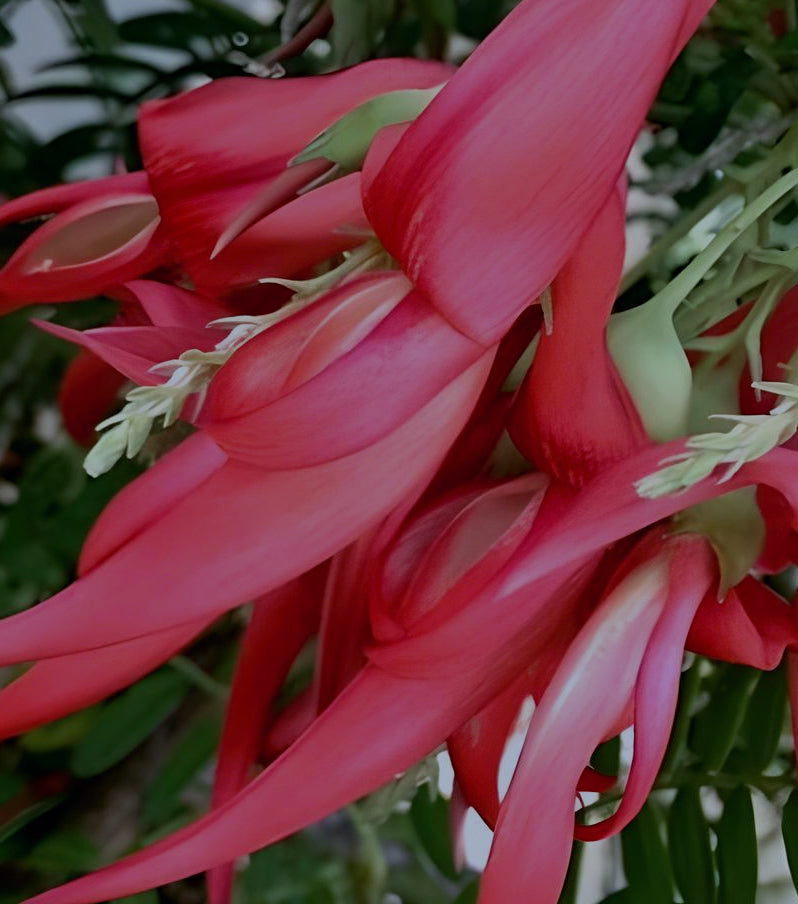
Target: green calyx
x,y
347,141
734,526
652,364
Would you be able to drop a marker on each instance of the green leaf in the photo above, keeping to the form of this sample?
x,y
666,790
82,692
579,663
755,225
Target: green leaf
x,y
170,29
229,14
440,12
430,818
789,831
690,848
737,850
713,99
570,889
103,92
469,894
104,62
66,851
10,785
645,858
715,728
607,757
146,897
193,751
624,896
28,815
94,21
358,26
6,37
63,733
764,721
126,722
476,18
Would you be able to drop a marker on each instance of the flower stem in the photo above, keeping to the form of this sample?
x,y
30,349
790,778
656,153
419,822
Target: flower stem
x,y
198,677
678,288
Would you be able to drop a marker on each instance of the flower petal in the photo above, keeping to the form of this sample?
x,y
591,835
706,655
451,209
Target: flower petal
x,y
575,418
142,503
752,626
314,395
553,98
237,535
340,742
56,687
281,623
87,248
170,306
53,200
209,150
691,575
89,390
135,350
584,701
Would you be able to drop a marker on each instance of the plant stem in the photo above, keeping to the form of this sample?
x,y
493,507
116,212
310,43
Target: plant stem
x,y
198,677
677,231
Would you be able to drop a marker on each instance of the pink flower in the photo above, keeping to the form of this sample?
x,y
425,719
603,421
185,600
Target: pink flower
x,y
318,434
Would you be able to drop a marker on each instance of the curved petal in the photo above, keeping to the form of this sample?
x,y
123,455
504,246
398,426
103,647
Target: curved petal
x,y
170,306
208,151
315,394
149,498
280,625
551,101
344,628
56,687
584,701
476,749
89,390
692,574
53,200
752,626
570,528
85,249
239,534
340,742
135,350
308,229
573,415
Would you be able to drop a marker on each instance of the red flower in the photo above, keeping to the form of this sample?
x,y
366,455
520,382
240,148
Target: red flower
x,y
322,431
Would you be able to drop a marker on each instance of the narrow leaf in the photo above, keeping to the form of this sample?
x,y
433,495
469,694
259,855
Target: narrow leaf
x,y
193,751
690,848
431,821
645,858
737,850
764,722
715,728
127,721
789,830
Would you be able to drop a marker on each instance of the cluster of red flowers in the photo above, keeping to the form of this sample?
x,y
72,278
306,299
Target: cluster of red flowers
x,y
374,251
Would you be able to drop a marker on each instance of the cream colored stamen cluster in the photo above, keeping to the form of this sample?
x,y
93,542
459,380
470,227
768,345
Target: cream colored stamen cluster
x,y
191,373
752,436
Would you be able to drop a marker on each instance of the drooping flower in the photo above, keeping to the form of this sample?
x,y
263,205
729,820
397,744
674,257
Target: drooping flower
x,y
318,423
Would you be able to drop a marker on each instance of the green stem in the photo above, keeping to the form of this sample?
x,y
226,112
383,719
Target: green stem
x,y
197,677
693,319
767,784
679,229
570,889
678,288
690,685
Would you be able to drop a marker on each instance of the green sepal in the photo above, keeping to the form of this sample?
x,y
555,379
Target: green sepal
x,y
347,141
